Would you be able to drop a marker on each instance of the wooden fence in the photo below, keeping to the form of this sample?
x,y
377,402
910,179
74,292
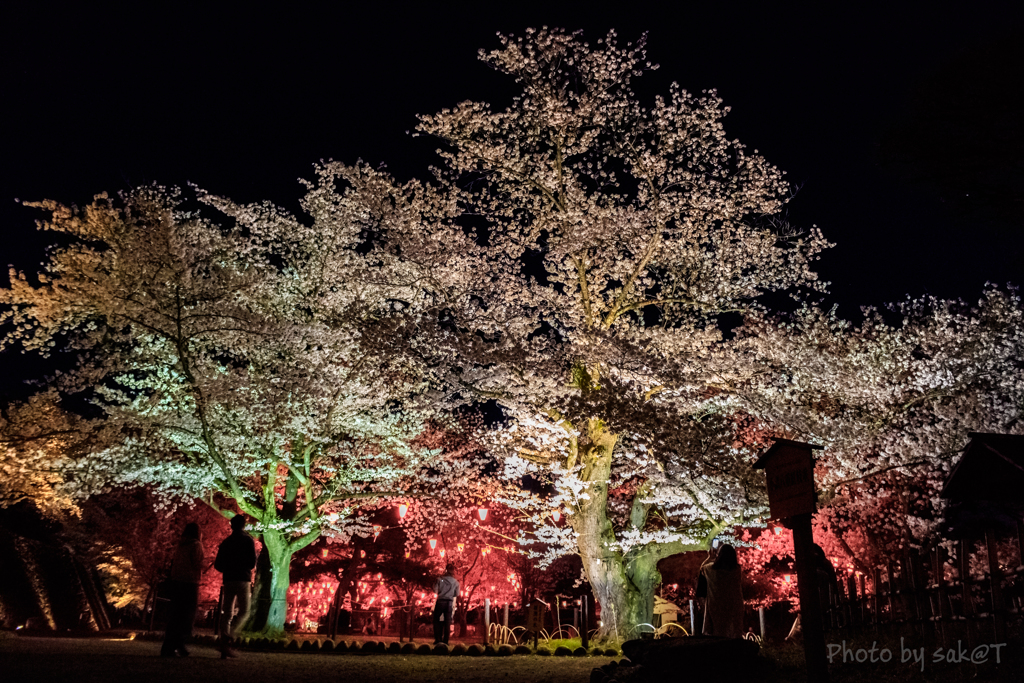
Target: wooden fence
x,y
916,591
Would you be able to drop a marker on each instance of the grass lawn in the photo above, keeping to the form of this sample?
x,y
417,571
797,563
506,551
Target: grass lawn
x,y
100,660
104,661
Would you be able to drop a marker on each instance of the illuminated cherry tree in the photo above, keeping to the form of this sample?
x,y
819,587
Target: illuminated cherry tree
x,y
249,363
578,251
893,402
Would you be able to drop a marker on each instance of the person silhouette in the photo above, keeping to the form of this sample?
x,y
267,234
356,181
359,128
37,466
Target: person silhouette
x,y
723,615
447,589
236,558
186,575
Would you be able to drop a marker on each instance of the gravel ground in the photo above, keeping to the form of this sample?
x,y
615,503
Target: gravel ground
x,y
93,659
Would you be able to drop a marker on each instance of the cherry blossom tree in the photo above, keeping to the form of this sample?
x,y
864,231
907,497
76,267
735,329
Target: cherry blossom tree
x,y
894,402
594,242
249,363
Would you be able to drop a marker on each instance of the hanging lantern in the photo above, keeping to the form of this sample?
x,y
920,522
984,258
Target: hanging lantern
x,y
778,531
433,543
362,553
483,513
402,509
460,546
325,552
787,578
407,554
556,515
442,552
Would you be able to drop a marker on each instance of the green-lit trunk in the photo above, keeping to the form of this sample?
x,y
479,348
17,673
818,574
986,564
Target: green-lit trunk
x,y
270,597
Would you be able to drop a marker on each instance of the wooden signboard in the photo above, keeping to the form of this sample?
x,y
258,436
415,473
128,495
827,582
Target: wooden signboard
x,y
789,469
535,616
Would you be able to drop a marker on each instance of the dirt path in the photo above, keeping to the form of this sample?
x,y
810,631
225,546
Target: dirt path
x,y
104,661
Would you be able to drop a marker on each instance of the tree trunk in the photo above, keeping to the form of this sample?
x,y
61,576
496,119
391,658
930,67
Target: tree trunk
x,y
624,586
270,599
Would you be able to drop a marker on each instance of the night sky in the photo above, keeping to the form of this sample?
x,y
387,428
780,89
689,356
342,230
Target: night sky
x,y
899,122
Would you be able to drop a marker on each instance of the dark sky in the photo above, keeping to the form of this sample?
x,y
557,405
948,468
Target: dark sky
x,y
899,121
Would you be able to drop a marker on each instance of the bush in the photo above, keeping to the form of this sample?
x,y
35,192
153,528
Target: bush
x,y
459,650
562,651
543,651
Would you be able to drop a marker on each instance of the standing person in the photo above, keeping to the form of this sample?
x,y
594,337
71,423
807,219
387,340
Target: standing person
x,y
723,615
447,589
186,574
236,558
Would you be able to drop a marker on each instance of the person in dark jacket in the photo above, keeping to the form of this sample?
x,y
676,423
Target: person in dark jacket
x,y
236,558
186,575
721,578
447,589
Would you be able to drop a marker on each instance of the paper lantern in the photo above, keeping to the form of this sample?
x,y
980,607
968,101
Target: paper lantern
x,y
402,509
433,543
556,515
460,546
483,514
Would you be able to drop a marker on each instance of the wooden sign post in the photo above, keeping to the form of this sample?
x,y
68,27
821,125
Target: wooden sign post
x,y
789,470
535,619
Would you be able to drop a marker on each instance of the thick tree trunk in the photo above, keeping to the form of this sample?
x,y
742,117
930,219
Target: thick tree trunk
x,y
270,598
623,585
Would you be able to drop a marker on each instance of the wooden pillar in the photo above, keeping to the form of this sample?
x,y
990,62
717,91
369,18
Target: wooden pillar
x,y
760,619
890,572
876,598
942,611
585,621
995,577
810,602
965,578
851,592
693,619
